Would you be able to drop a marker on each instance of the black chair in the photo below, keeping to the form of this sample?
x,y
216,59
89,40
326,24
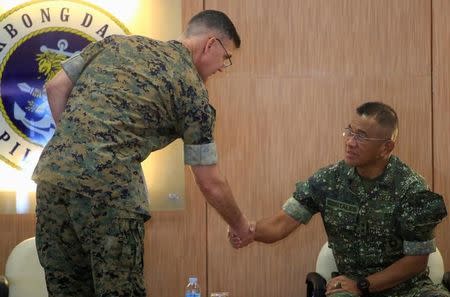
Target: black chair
x,y
4,288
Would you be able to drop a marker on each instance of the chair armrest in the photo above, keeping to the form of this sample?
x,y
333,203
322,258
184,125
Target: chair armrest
x,y
4,288
446,280
315,285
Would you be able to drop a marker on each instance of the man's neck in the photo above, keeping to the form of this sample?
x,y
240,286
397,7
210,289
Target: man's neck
x,y
194,44
372,171
187,44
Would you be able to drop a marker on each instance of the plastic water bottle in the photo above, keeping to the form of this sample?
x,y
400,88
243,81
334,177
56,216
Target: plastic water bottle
x,y
192,288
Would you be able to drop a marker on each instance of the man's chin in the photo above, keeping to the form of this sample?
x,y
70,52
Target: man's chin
x,y
350,162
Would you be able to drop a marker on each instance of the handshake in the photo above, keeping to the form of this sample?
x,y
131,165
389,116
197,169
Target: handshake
x,y
241,238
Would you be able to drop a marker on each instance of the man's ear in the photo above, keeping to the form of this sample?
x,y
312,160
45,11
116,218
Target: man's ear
x,y
209,43
389,147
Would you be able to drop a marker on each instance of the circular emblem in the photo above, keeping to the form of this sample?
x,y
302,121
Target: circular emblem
x,y
34,39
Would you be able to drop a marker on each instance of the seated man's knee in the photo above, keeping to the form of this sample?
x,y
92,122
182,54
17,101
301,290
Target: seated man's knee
x,y
438,291
342,294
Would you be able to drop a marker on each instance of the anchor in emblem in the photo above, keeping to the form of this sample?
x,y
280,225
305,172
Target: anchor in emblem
x,y
46,125
62,45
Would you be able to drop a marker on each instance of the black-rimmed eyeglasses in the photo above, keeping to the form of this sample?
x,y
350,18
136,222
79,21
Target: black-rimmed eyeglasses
x,y
227,62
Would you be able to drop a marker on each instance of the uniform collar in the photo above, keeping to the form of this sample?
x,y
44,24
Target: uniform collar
x,y
386,178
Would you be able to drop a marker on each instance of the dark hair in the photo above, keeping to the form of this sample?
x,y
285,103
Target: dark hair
x,y
383,114
213,19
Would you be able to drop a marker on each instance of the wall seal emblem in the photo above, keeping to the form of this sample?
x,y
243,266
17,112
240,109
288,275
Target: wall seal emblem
x,y
34,38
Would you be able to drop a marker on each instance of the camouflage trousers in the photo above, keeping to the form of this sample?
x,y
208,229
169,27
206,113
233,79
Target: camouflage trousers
x,y
85,248
427,290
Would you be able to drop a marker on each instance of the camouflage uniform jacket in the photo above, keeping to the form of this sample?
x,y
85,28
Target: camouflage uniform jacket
x,y
369,229
132,95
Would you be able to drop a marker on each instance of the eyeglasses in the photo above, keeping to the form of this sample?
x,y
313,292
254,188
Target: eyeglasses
x,y
227,62
360,138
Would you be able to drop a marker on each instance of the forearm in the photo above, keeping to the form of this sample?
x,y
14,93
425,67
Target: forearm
x,y
275,228
267,232
219,195
58,90
398,272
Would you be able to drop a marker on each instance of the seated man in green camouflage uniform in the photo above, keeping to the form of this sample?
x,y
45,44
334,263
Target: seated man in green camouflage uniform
x,y
378,213
114,103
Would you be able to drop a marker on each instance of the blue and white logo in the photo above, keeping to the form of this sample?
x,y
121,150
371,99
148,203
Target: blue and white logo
x,y
34,38
34,62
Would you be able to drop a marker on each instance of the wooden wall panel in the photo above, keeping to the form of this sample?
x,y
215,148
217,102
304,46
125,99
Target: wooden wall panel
x,y
303,68
13,230
175,242
350,37
441,116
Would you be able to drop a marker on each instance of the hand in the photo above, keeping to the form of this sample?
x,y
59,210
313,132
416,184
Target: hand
x,y
245,238
342,283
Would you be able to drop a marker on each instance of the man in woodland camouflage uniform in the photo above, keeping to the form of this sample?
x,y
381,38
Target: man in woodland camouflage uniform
x,y
117,101
378,213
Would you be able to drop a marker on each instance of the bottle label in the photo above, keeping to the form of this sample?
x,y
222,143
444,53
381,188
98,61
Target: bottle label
x,y
192,295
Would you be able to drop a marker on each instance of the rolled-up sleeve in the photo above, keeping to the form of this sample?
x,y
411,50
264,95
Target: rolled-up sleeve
x,y
413,248
305,201
198,125
420,214
73,67
200,154
296,211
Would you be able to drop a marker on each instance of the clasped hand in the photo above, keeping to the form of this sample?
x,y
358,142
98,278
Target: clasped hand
x,y
240,239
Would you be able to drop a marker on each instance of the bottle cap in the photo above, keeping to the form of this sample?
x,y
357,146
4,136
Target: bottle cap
x,y
192,279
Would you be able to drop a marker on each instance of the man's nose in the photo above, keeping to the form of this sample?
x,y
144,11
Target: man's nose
x,y
351,141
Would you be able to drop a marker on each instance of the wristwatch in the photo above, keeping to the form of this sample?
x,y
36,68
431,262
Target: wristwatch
x,y
363,285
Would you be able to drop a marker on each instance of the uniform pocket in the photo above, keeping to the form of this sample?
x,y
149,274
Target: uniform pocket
x,y
123,245
340,216
380,222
